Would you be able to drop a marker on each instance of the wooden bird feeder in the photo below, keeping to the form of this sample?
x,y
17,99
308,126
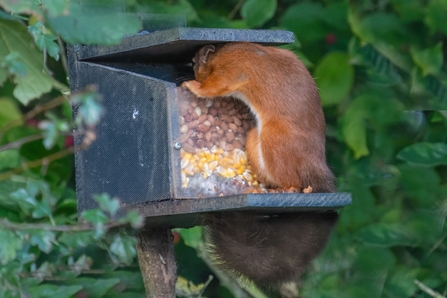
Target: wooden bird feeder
x,y
162,151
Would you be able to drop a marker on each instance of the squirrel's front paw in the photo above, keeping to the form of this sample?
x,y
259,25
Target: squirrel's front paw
x,y
192,86
185,85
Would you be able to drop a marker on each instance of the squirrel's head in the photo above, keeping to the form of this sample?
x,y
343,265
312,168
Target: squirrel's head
x,y
201,71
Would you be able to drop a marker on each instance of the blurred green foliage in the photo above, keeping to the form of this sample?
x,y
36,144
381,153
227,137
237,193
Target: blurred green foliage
x,y
380,69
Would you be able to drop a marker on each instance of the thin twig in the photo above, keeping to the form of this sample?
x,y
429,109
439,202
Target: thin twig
x,y
34,112
427,290
37,163
63,55
64,228
27,139
436,245
20,142
45,61
236,8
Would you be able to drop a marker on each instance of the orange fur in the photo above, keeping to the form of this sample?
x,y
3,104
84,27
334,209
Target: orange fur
x,y
287,148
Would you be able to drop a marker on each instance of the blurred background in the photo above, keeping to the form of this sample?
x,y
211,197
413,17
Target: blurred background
x,y
379,66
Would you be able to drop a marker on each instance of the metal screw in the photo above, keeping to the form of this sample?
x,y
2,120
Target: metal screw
x,y
177,146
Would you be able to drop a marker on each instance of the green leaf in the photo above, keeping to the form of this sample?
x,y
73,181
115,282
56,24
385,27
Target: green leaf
x,y
45,269
60,291
425,154
409,10
391,29
192,236
353,130
13,65
430,60
335,16
24,200
43,40
306,20
43,239
134,219
176,8
50,133
433,91
122,249
41,210
388,235
55,7
7,187
132,280
90,109
3,76
334,76
15,38
257,12
85,25
9,111
82,263
436,14
52,128
400,282
9,159
420,184
107,204
10,244
95,288
381,69
74,240
367,258
21,6
95,216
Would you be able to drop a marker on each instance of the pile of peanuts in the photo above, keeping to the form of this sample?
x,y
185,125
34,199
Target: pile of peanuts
x,y
213,135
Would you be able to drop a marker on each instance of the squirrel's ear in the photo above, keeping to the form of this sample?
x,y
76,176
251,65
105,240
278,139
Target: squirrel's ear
x,y
205,52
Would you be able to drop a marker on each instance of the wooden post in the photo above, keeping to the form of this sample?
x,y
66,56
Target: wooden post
x,y
157,262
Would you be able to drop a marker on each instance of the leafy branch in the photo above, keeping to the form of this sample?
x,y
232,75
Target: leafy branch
x,y
38,109
37,163
63,228
428,290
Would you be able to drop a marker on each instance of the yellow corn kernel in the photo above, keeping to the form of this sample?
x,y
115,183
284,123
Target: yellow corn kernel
x,y
244,159
184,163
255,183
221,171
185,182
200,153
207,171
213,165
207,155
230,173
227,161
189,170
240,170
247,176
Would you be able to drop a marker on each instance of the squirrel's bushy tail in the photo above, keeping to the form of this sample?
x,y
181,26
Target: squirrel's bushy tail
x,y
268,250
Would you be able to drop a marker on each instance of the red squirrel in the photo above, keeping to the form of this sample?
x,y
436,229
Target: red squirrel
x,y
286,150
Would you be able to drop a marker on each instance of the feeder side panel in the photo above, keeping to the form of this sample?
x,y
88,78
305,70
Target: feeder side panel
x,y
130,157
